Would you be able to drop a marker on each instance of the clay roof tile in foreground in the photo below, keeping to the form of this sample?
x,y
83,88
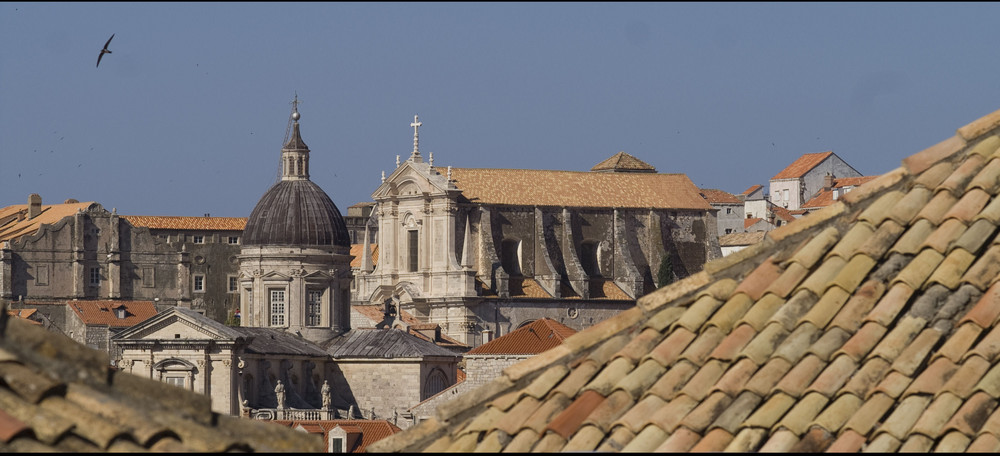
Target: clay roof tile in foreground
x,y
61,396
869,324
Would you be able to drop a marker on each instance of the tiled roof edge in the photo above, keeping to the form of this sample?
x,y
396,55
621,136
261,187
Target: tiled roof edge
x,y
412,440
942,151
979,126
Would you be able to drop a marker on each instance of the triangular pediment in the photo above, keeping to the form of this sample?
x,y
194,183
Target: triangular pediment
x,y
414,179
179,324
276,275
318,275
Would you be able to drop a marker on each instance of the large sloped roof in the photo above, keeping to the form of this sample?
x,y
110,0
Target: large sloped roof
x,y
14,222
163,222
102,312
60,396
382,343
870,324
535,187
802,165
533,338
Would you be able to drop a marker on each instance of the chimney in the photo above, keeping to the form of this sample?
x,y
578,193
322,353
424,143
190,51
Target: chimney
x,y
34,205
827,181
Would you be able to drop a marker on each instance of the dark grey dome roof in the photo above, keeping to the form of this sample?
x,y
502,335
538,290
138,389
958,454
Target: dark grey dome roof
x,y
296,212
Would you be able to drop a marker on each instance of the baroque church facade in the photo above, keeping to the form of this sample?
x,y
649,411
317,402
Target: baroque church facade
x,y
482,252
294,354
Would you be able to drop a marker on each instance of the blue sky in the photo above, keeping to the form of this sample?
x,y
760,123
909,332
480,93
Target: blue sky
x,y
188,114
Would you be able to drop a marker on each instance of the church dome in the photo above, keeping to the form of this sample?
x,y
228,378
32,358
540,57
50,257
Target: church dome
x,y
295,211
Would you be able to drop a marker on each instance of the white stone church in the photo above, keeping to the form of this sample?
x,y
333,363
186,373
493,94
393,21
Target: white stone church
x,y
295,354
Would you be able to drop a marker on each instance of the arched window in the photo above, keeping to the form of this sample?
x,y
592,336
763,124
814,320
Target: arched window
x,y
176,371
436,382
510,256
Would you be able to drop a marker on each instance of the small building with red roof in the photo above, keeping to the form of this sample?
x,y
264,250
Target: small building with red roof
x,y
804,178
345,436
729,217
92,323
488,361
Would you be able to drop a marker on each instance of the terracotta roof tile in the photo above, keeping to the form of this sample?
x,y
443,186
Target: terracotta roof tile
x,y
533,338
12,228
623,161
68,399
526,187
164,222
802,165
716,196
106,312
867,325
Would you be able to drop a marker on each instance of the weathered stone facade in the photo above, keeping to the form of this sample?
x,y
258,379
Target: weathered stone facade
x,y
82,251
482,251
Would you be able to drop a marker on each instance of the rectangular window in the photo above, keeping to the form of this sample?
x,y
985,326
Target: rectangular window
x,y
95,276
729,210
199,283
174,380
729,230
337,445
785,194
199,239
234,239
414,251
313,307
234,284
277,307
147,278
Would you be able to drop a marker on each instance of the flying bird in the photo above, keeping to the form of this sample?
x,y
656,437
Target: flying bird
x,y
105,50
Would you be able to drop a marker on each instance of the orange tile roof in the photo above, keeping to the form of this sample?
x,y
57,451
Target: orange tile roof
x,y
714,196
103,312
803,165
356,252
24,314
753,188
526,287
623,161
50,214
747,223
371,430
532,187
535,337
870,325
783,213
825,197
163,222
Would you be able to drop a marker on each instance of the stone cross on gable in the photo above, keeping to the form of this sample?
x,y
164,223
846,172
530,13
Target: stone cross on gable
x,y
416,124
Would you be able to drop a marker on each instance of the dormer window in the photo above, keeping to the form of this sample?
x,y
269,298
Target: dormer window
x,y
120,312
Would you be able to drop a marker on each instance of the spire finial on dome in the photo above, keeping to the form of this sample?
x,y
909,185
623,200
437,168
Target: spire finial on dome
x,y
416,149
295,108
295,153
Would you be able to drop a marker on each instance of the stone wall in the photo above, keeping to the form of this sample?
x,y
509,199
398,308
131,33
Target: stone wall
x,y
132,263
383,385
